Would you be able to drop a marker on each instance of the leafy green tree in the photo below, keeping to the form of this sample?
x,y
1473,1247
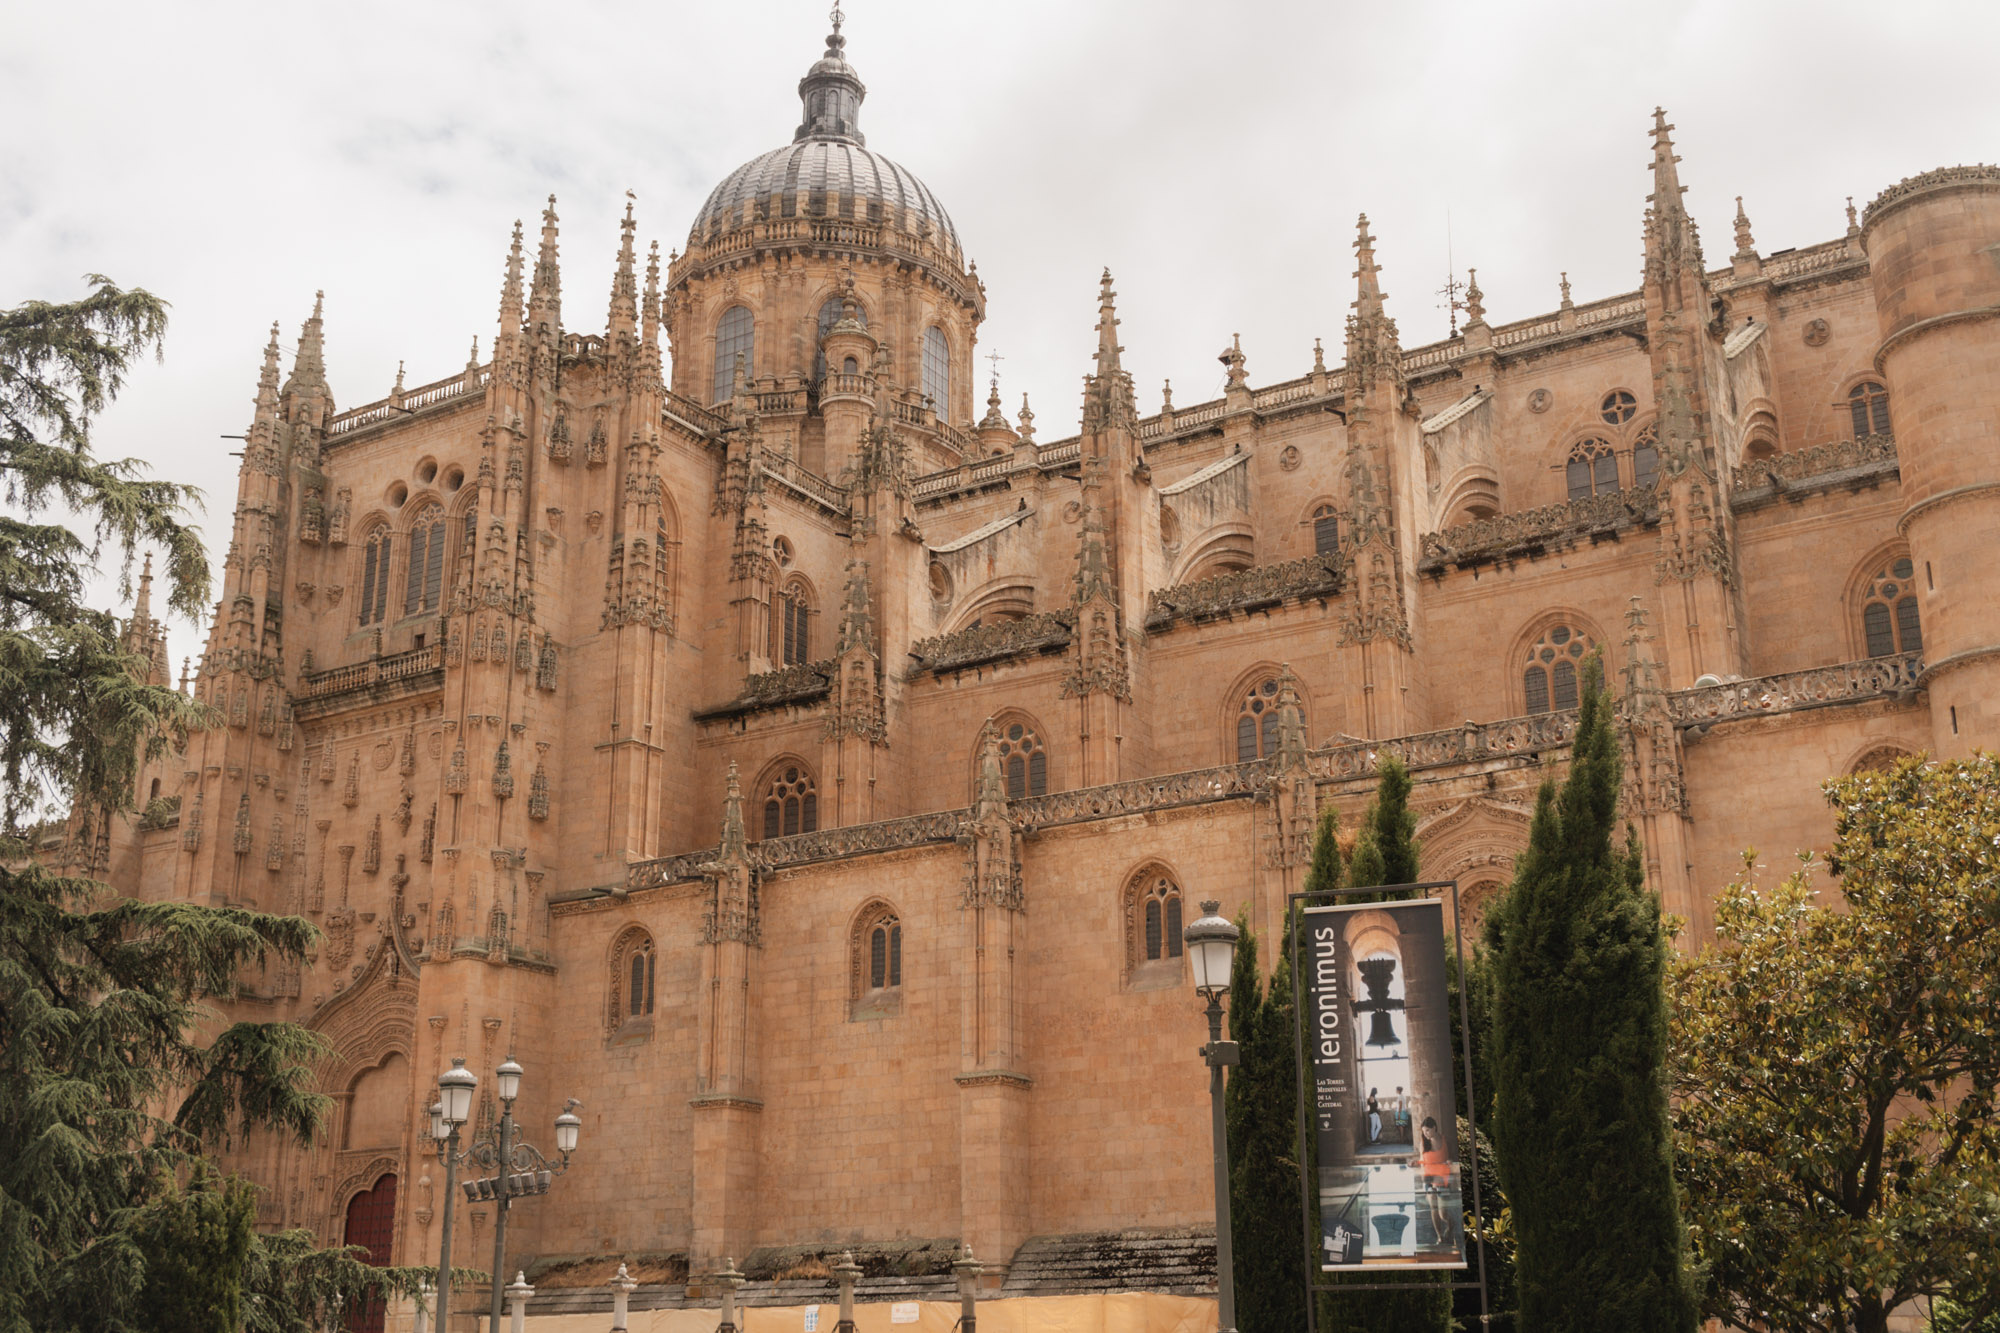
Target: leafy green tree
x,y
115,1074
1386,854
1838,1068
1579,1038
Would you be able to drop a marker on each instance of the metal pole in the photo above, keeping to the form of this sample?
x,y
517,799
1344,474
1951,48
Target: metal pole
x,y
1225,1261
444,1242
500,1213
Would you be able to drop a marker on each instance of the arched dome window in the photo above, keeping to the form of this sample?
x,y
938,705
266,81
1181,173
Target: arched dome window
x,y
1025,761
1868,404
1326,530
735,335
791,625
375,577
829,315
937,370
1257,721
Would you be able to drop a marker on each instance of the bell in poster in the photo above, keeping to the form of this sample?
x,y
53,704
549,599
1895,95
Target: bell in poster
x,y
1378,1035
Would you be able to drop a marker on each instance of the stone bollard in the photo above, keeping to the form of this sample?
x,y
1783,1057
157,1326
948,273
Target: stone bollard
x,y
847,1274
967,1268
728,1280
518,1292
621,1294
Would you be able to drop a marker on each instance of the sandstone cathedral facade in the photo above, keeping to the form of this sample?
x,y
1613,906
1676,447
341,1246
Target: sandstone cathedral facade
x,y
809,767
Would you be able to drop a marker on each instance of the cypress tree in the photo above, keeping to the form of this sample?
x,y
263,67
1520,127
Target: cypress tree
x,y
1579,1034
1264,1179
1387,854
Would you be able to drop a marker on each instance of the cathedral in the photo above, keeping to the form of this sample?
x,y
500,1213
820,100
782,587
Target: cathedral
x,y
793,754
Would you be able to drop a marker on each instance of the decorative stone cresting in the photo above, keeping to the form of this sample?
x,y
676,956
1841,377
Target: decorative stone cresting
x,y
1869,454
1532,531
1245,589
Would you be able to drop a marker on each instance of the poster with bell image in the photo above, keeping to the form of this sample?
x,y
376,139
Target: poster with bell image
x,y
1378,1041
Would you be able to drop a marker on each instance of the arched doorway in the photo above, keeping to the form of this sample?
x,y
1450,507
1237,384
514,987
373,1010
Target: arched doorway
x,y
371,1224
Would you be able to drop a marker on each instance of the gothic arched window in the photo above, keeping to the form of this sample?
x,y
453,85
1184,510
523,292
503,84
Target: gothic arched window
x,y
937,370
630,993
1257,721
1326,530
830,311
1549,680
1592,469
1153,924
1025,761
875,962
1868,404
791,623
791,802
426,574
375,577
1889,620
735,335
1646,459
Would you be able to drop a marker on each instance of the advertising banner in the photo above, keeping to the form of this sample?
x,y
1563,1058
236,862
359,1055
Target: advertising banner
x,y
1378,1043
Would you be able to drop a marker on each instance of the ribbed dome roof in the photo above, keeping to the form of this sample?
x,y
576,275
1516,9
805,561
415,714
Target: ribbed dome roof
x,y
781,183
829,164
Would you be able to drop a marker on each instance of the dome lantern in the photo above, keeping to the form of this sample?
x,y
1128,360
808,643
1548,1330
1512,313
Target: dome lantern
x,y
832,93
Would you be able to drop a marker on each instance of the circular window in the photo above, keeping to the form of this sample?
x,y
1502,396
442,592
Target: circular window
x,y
454,478
781,551
427,470
940,582
1619,407
397,494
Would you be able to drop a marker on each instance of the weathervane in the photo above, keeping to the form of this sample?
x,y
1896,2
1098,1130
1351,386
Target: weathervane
x,y
835,16
1452,286
994,358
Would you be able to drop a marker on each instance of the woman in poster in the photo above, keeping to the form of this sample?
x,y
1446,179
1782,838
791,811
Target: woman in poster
x,y
1374,1118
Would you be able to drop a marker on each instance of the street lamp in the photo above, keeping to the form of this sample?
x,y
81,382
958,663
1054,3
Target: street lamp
x,y
1211,948
518,1169
452,1109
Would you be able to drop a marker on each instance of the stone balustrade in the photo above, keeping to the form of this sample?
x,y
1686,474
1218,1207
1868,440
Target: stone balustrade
x,y
1833,462
317,685
1532,531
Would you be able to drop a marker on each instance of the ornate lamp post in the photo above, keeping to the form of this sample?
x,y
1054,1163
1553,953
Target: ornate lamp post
x,y
1211,948
518,1169
452,1109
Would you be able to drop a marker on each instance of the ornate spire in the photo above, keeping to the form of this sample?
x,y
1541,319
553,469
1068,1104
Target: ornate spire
x,y
1232,357
650,310
545,300
733,841
832,93
1475,300
1107,327
625,283
1368,297
267,386
857,620
1027,421
1372,348
309,366
142,606
1566,302
510,287
1671,238
1746,245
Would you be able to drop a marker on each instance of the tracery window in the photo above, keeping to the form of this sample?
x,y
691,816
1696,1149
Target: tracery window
x,y
1889,620
1592,469
1549,680
1618,407
791,621
1646,459
1025,761
735,335
1326,530
875,962
426,573
1868,403
791,802
375,577
1257,721
1153,917
937,370
830,311
632,980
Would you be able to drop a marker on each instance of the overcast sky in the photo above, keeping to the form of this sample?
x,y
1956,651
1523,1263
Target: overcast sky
x,y
233,158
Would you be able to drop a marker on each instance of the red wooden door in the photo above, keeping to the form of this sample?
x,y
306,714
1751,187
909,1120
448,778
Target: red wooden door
x,y
371,1224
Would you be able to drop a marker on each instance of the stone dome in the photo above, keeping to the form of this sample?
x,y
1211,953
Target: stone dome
x,y
827,171
825,177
